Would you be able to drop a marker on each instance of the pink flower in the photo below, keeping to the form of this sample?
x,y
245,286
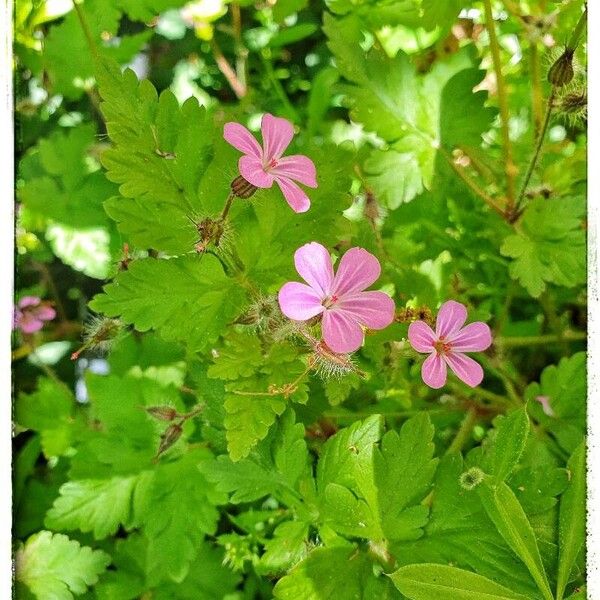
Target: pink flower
x,y
546,407
340,299
447,345
30,314
262,166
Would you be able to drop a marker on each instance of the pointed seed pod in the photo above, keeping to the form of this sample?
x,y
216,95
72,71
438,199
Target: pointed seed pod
x,y
561,72
163,413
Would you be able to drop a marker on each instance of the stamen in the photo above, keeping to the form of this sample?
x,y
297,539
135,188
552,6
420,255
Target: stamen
x,y
442,347
330,301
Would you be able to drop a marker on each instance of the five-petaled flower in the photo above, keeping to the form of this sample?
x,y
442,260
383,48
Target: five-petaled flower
x,y
261,166
30,314
341,300
447,344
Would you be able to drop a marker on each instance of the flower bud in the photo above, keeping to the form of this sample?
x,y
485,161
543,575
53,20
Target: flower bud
x,y
163,413
561,72
242,188
168,438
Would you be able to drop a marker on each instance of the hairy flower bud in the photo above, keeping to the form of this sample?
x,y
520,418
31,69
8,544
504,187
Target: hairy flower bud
x,y
163,413
100,334
561,72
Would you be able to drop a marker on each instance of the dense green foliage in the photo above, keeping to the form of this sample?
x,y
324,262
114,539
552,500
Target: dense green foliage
x,y
195,447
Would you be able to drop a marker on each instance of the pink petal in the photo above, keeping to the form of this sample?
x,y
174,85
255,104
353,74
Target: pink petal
x,y
45,313
465,368
240,138
313,263
299,302
294,196
421,336
358,269
340,332
26,301
252,170
297,167
29,324
545,402
434,371
277,134
374,310
451,317
475,337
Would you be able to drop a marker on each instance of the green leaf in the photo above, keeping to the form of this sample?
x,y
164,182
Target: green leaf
x,y
273,467
63,183
54,567
571,527
186,299
457,519
549,246
565,387
337,463
49,411
440,13
160,153
334,573
377,494
177,509
121,438
423,582
288,546
508,516
99,506
510,442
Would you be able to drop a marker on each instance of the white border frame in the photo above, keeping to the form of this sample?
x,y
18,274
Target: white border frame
x,y
7,158
593,406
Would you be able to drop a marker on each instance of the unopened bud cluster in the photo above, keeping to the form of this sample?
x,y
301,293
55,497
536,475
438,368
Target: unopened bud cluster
x,y
408,315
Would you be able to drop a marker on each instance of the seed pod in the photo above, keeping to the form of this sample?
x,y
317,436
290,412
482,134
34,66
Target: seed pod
x,y
242,188
561,72
163,413
169,437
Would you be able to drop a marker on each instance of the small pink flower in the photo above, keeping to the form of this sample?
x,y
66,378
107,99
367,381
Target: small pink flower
x,y
447,345
30,314
261,166
340,299
546,407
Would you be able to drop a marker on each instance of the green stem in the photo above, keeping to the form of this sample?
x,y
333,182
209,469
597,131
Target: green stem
x,y
509,166
87,32
536,153
464,432
537,98
291,111
537,340
227,206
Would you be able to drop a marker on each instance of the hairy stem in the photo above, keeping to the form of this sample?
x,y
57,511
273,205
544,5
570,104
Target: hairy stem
x,y
509,166
536,153
227,206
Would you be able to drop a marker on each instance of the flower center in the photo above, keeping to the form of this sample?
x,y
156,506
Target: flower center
x,y
329,301
442,347
271,164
